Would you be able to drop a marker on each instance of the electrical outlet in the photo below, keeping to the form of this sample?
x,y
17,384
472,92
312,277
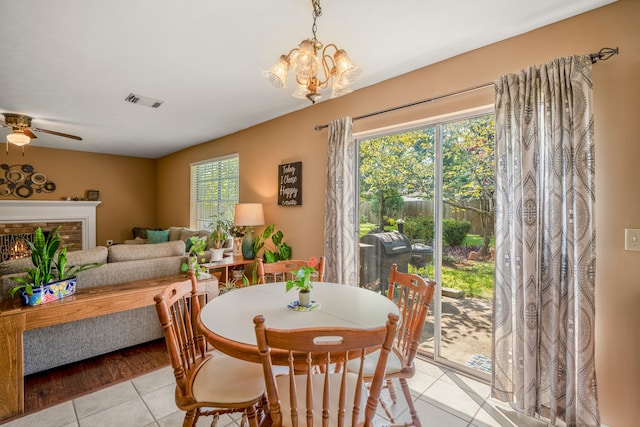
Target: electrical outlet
x,y
631,239
109,242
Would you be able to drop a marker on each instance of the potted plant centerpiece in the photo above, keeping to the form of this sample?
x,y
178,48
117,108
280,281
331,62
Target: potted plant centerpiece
x,y
219,235
50,279
302,281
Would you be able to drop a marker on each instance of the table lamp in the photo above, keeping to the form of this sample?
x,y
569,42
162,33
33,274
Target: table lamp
x,y
248,215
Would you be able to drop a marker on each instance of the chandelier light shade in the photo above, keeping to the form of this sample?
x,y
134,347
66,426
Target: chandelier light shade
x,y
315,67
18,138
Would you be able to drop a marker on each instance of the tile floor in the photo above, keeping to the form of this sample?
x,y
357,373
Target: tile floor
x,y
442,398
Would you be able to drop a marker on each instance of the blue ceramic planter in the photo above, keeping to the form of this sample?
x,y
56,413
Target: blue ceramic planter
x,y
50,292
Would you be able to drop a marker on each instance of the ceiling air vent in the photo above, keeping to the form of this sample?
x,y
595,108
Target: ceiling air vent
x,y
143,100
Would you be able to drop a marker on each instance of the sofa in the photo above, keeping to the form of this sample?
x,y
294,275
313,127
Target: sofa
x,y
140,235
53,346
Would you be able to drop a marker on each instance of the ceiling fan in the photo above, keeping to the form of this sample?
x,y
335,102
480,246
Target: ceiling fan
x,y
22,132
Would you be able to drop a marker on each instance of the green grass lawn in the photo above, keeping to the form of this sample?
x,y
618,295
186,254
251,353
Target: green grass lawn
x,y
475,278
476,240
367,227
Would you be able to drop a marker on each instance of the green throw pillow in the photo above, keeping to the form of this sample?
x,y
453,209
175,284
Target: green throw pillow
x,y
188,245
157,236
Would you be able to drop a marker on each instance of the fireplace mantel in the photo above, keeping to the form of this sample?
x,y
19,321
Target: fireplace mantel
x,y
16,211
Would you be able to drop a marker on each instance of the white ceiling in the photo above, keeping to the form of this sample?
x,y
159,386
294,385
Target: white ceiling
x,y
69,64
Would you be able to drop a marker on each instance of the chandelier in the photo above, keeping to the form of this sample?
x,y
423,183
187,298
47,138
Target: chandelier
x,y
314,67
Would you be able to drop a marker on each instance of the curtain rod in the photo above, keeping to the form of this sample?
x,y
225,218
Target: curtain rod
x,y
602,55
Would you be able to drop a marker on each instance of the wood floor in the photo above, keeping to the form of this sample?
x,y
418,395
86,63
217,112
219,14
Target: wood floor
x,y
54,386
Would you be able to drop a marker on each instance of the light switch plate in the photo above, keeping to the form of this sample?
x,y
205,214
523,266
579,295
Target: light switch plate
x,y
631,239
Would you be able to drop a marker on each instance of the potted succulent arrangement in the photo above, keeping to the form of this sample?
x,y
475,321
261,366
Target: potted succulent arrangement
x,y
302,281
196,258
49,279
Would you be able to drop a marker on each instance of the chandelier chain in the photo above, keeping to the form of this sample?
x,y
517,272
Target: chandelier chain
x,y
317,11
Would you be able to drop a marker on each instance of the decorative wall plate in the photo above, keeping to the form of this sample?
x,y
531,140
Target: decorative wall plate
x,y
22,181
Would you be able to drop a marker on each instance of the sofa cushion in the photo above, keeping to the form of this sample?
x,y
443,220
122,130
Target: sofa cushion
x,y
119,253
136,241
87,256
174,233
157,236
186,234
141,232
14,266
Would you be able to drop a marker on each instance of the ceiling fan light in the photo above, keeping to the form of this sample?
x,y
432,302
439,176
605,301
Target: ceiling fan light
x,y
277,74
305,62
346,70
18,138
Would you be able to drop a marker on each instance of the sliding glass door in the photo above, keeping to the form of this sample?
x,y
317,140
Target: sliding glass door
x,y
426,204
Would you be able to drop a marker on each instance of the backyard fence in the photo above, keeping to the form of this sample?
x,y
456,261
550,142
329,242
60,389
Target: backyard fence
x,y
415,208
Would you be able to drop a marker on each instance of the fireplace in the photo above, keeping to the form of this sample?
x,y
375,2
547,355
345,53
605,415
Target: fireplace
x,y
19,219
13,239
14,246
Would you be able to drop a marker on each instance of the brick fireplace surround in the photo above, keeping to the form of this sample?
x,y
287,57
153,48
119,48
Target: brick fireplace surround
x,y
77,220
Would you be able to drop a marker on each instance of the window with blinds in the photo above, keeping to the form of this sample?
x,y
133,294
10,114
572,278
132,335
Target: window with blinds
x,y
214,190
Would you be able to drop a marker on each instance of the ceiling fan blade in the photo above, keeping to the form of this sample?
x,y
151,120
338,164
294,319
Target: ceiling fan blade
x,y
65,135
29,133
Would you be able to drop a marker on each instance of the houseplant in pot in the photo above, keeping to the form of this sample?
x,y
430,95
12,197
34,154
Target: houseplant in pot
x,y
302,281
272,243
197,248
219,236
49,279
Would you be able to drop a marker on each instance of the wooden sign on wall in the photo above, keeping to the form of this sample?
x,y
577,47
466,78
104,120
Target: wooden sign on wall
x,y
290,184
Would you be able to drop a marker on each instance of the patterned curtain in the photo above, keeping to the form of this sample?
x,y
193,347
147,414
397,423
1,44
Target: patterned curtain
x,y
339,218
544,303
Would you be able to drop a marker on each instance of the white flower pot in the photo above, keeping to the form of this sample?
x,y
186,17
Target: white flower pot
x,y
217,254
304,298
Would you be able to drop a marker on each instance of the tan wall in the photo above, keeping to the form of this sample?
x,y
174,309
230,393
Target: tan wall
x,y
617,105
126,185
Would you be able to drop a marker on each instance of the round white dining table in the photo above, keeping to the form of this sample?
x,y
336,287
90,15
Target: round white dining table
x,y
227,320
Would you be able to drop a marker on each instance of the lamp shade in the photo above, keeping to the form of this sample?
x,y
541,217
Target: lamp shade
x,y
249,214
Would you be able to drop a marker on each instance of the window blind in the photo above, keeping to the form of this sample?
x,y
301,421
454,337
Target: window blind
x,y
214,190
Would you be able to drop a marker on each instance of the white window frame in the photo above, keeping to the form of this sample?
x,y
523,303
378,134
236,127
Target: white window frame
x,y
205,210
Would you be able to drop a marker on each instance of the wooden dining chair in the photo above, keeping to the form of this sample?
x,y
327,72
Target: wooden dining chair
x,y
207,383
307,396
412,294
281,271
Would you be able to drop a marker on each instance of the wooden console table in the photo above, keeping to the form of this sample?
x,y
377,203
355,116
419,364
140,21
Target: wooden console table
x,y
85,303
225,265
